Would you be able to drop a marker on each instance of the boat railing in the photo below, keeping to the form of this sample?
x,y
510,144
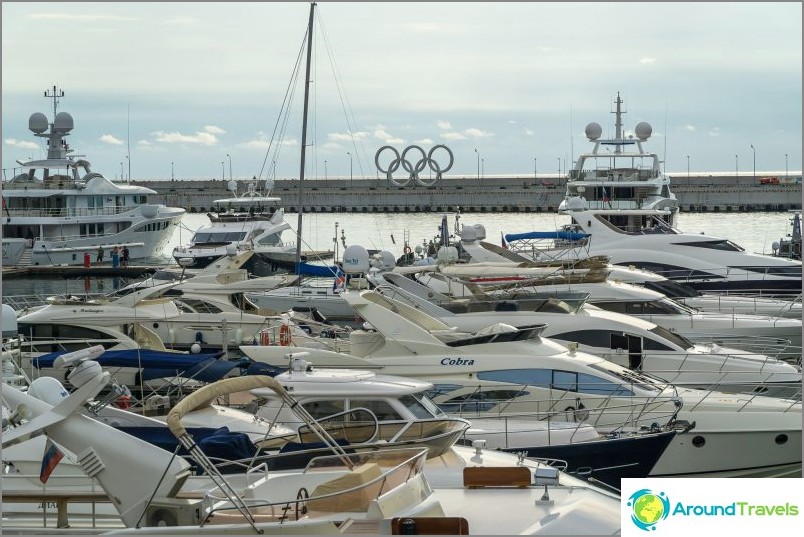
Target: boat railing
x,y
61,212
786,303
758,272
772,347
327,485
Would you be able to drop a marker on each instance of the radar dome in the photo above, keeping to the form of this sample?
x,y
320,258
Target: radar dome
x,y
47,389
447,254
593,131
63,122
387,259
355,260
643,130
232,185
37,123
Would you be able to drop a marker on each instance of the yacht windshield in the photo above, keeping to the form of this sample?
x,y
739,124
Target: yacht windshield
x,y
631,378
208,237
677,339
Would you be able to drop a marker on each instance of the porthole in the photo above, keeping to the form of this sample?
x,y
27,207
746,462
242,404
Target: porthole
x,y
781,439
156,325
698,441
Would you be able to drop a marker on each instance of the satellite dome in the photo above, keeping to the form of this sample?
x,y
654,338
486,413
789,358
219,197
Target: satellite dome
x,y
37,123
47,389
447,254
63,122
593,131
643,130
232,185
387,259
355,260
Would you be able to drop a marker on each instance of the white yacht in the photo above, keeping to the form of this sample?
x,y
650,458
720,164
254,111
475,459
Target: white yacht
x,y
620,197
516,371
57,211
251,221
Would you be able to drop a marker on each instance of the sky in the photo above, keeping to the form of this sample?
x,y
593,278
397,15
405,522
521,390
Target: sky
x,y
197,90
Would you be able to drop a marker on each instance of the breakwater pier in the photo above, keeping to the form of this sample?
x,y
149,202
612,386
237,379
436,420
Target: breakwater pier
x,y
535,193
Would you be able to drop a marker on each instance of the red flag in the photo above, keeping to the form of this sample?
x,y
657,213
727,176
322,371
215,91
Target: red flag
x,y
51,458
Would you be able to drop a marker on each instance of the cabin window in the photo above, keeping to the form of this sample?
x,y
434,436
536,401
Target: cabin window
x,y
714,245
382,409
480,401
672,337
322,409
416,407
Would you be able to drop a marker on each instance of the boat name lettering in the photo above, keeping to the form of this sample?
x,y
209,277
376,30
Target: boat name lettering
x,y
457,361
90,310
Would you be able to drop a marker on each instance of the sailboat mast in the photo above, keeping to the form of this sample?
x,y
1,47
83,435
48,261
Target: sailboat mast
x,y
304,135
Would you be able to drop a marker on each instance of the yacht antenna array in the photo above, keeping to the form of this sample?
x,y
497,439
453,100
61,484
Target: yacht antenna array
x,y
618,124
55,96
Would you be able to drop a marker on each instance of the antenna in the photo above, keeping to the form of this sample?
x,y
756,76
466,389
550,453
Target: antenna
x,y
55,96
664,163
128,141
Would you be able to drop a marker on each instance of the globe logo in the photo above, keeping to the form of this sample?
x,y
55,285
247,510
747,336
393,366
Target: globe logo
x,y
648,508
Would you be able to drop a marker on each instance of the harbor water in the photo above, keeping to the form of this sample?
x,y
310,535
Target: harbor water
x,y
755,232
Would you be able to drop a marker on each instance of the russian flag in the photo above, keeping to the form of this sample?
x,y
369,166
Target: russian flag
x,y
51,458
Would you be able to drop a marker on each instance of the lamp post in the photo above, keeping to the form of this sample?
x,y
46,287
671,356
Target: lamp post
x,y
325,169
535,174
559,168
350,168
478,164
122,177
688,167
736,169
755,162
223,172
230,165
482,167
785,164
172,178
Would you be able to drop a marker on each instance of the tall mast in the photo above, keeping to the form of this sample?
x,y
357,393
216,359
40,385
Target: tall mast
x,y
618,124
304,135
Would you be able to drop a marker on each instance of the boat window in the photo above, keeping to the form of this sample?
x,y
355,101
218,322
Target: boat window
x,y
201,306
65,331
673,337
615,306
629,377
672,289
382,409
593,338
427,403
442,389
671,271
781,271
480,400
723,244
649,344
215,237
321,409
416,407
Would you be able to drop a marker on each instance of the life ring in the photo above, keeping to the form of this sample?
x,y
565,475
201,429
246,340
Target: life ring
x,y
407,250
265,338
284,335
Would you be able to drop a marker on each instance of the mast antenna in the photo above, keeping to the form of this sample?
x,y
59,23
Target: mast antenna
x,y
56,93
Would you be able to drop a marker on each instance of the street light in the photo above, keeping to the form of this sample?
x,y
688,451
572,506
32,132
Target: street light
x,y
535,174
559,168
350,168
325,169
736,169
121,172
230,165
478,164
171,172
688,167
223,172
785,164
482,167
755,162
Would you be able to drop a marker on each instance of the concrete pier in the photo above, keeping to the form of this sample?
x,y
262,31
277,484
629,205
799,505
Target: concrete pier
x,y
541,193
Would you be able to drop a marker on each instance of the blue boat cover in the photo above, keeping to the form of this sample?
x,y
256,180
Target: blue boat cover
x,y
157,364
220,443
318,270
562,235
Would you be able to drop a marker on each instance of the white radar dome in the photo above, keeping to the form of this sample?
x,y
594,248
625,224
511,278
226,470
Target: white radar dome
x,y
47,389
37,123
387,259
355,260
63,122
643,130
232,185
593,131
447,254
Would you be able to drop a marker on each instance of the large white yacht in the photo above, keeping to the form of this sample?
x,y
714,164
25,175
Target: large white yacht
x,y
58,210
250,221
620,197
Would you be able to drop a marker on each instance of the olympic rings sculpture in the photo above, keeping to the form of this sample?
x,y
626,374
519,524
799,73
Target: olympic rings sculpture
x,y
413,170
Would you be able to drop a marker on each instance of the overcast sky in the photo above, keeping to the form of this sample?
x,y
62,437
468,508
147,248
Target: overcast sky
x,y
507,86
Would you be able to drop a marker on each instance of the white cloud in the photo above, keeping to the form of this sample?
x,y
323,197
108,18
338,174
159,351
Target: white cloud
x,y
453,136
689,127
109,139
714,132
443,125
203,138
21,144
477,133
144,143
214,130
347,137
647,61
512,122
424,141
529,132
